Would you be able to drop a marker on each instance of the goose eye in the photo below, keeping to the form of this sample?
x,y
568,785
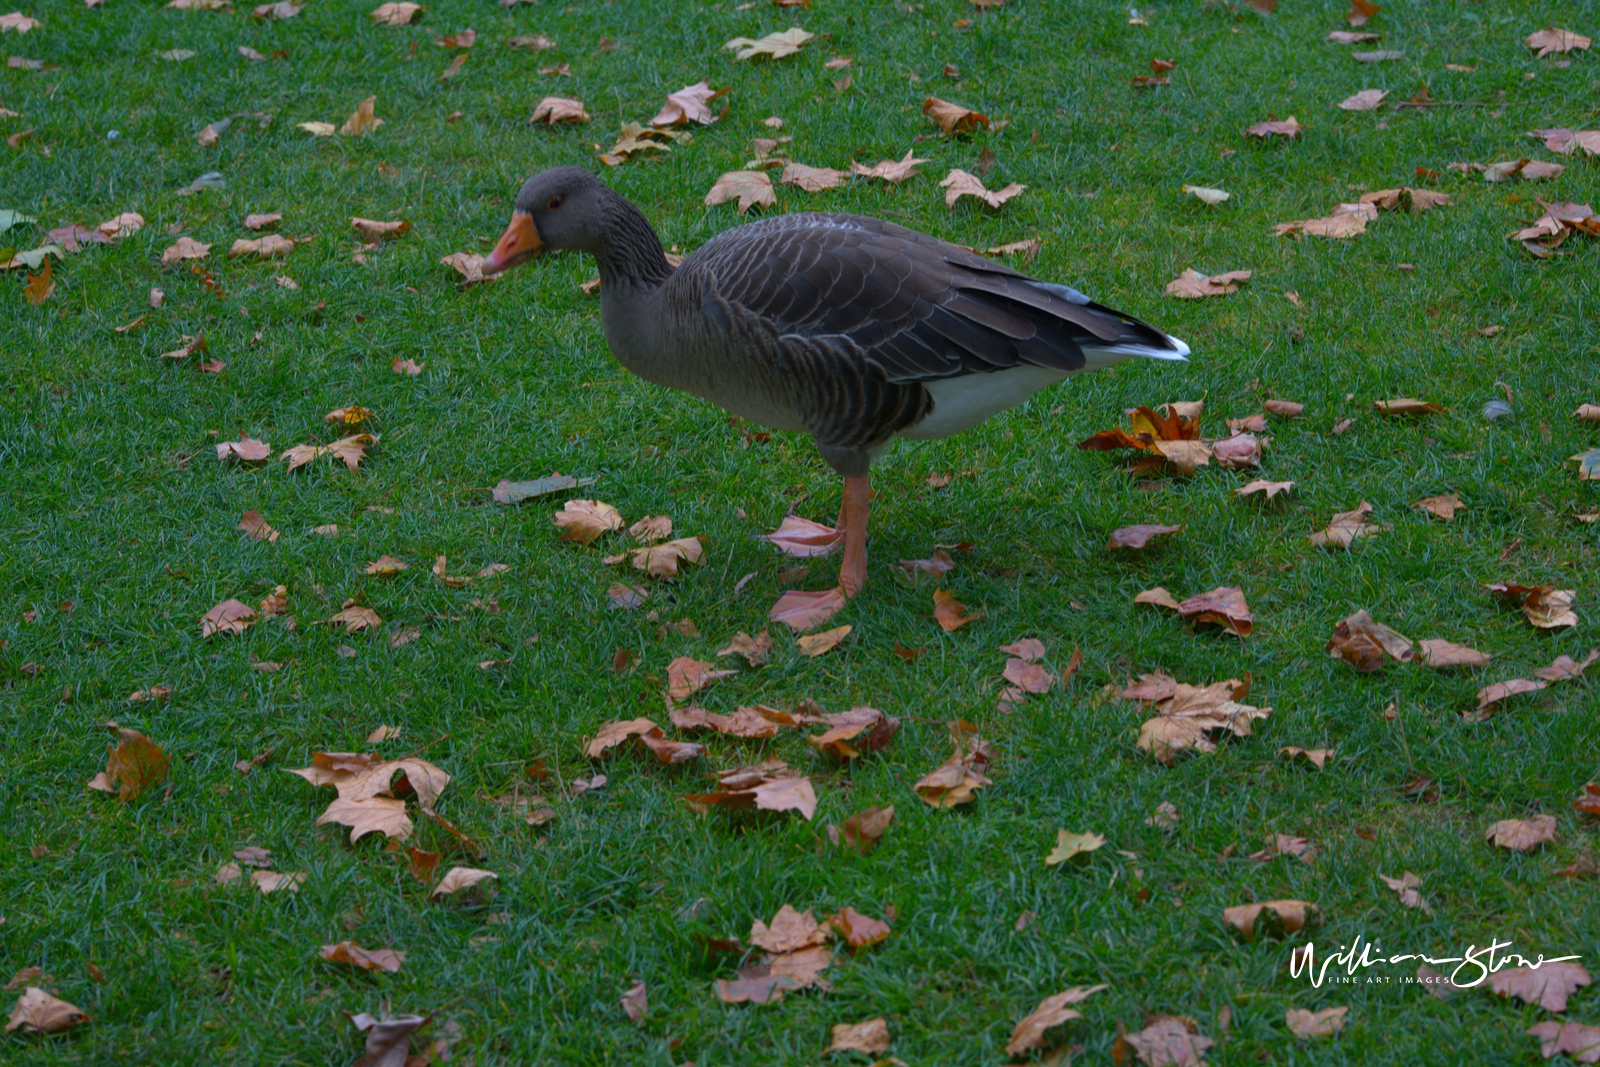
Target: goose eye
x,y
553,203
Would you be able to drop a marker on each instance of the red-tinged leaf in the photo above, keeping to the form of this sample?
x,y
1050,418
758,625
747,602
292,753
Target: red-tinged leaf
x,y
859,931
686,676
1365,644
363,959
1030,677
950,613
615,733
803,538
1137,536
1224,607
807,610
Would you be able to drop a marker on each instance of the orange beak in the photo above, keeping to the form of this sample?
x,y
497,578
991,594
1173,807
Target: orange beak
x,y
517,245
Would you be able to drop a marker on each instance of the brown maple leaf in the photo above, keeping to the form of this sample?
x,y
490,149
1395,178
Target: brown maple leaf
x,y
686,676
1329,1021
553,110
1442,655
37,1012
811,179
950,613
768,786
953,118
363,959
957,780
803,539
805,610
691,104
1346,526
457,879
1288,127
362,120
585,520
755,650
1192,285
1051,1012
1547,985
871,1037
813,645
1522,835
751,188
1272,918
864,830
228,617
1548,41
1365,644
1166,1041
1545,606
890,170
959,183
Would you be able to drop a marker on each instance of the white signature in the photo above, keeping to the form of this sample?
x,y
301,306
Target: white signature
x,y
1479,963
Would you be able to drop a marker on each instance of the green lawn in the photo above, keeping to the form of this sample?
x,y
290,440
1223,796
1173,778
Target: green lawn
x,y
117,528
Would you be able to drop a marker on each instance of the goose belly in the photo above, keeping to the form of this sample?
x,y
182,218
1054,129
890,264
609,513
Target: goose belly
x,y
961,403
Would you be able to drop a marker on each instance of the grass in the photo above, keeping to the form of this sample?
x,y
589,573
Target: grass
x,y
117,528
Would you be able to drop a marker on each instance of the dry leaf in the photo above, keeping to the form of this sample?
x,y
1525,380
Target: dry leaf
x,y
1069,844
1272,918
802,610
950,613
1405,888
957,780
1565,668
953,118
228,617
1580,1042
399,14
362,121
1317,757
1545,606
811,179
661,561
1166,1042
1522,835
1285,128
817,644
1407,406
1339,225
1029,677
256,528
889,170
1364,644
388,1040
351,449
185,248
458,878
768,786
754,649
744,722
376,230
585,520
691,104
363,959
1547,985
774,45
871,1037
1346,526
557,109
269,247
636,1002
959,183
751,188
1365,100
1328,1021
615,733
686,676
864,830
1271,489
790,931
1165,817
1548,41
1441,655
803,538
37,1012
1444,507
273,881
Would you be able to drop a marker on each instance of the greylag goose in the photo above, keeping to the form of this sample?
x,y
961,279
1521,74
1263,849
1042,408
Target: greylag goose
x,y
850,329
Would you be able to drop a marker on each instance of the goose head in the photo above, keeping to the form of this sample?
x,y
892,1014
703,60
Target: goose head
x,y
555,210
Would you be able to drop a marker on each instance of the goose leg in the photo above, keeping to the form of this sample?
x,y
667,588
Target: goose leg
x,y
853,528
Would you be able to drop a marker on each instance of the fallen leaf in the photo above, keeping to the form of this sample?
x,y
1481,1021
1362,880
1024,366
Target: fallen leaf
x,y
1029,677
864,830
744,722
950,613
1408,406
1405,888
1206,195
254,527
458,878
1365,100
636,1001
185,248
751,188
754,649
228,617
790,931
756,989
1523,835
1382,55
615,733
37,1012
1069,844
802,538
1564,668
273,881
1444,507
811,179
957,780
959,183
585,520
269,247
1339,225
661,561
691,104
871,1037
817,644
773,45
1317,757
1548,41
1271,489
363,959
805,610
953,118
889,170
362,120
768,786
686,676
1272,918
1165,817
1324,1023
1166,1041
1547,985
533,42
509,492
1346,37
1288,127
558,109
388,1040
1441,655
17,22
1192,285
1346,526
1364,644
1577,1040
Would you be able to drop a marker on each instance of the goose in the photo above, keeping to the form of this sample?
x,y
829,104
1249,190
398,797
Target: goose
x,y
851,329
